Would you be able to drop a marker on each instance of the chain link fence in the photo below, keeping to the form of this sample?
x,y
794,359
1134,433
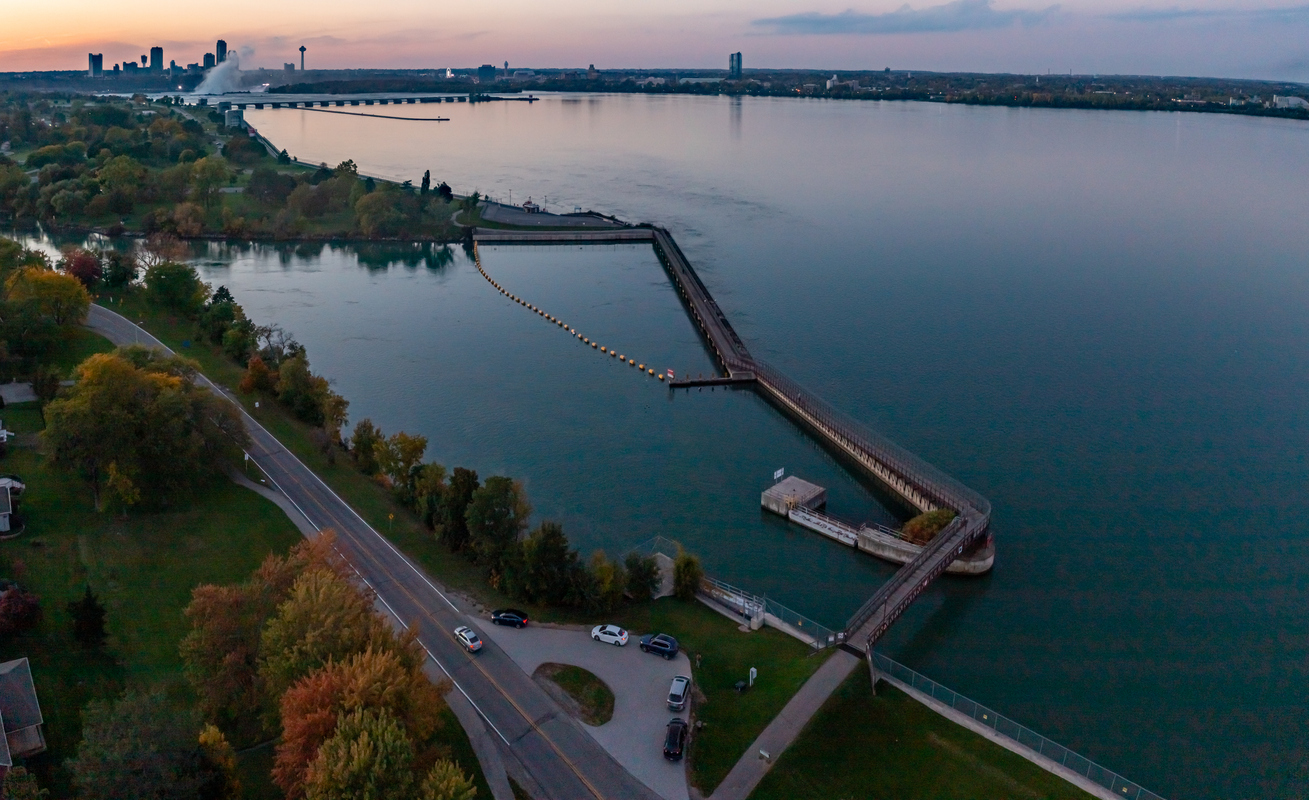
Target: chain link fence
x,y
1120,786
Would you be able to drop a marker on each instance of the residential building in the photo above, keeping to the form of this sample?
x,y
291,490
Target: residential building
x,y
95,65
220,50
734,66
20,714
209,61
156,59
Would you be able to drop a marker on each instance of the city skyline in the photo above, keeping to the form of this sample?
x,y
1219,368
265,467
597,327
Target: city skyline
x,y
1234,39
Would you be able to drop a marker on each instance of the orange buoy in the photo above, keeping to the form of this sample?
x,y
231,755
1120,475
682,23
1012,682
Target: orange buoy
x,y
652,372
661,376
593,345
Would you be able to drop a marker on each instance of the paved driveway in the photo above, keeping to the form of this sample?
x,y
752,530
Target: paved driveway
x,y
635,735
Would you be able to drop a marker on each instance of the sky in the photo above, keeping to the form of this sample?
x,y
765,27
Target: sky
x,y
1213,38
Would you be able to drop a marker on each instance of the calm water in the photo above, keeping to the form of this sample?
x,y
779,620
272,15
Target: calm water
x,y
1098,320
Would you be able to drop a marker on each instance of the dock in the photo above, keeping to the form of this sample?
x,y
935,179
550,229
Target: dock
x,y
918,485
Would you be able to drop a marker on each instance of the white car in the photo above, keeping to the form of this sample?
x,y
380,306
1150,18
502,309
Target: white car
x,y
467,637
609,634
677,693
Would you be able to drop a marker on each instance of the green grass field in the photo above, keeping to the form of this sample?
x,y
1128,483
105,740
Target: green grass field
x,y
889,745
594,698
143,569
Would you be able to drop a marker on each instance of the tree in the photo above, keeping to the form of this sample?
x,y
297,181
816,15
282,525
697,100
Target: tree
x,y
687,575
62,299
19,784
88,619
429,493
139,748
208,175
177,287
610,581
258,377
497,516
469,206
643,578
363,446
445,192
219,761
369,757
142,411
302,391
20,611
454,523
221,651
83,265
445,781
427,183
399,455
380,213
323,619
548,565
389,680
160,248
120,271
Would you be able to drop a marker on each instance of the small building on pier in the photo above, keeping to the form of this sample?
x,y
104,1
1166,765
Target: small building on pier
x,y
791,493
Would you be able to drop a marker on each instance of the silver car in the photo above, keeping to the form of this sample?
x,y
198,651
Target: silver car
x,y
678,692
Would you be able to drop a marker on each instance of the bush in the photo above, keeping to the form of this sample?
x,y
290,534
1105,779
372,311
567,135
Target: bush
x,y
923,527
20,611
176,287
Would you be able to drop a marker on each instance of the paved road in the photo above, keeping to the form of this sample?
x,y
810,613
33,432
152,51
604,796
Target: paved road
x,y
561,758
640,682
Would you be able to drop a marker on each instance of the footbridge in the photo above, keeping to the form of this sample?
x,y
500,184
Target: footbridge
x,y
917,484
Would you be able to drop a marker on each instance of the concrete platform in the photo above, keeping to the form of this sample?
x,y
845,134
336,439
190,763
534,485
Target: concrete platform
x,y
791,493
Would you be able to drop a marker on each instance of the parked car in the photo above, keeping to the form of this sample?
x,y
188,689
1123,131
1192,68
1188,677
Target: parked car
x,y
510,616
660,643
678,692
467,637
609,634
675,739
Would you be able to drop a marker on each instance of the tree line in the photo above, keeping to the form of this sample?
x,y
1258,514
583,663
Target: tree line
x,y
122,166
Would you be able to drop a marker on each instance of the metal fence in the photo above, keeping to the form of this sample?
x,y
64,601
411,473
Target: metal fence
x,y
1120,786
748,604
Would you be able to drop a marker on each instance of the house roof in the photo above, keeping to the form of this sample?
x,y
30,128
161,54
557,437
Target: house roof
x,y
18,704
6,759
5,505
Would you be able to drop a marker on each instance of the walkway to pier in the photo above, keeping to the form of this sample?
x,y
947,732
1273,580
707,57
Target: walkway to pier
x,y
915,482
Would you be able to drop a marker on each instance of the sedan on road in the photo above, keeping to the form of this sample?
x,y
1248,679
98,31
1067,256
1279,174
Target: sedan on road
x,y
678,692
675,739
609,634
510,616
467,637
660,643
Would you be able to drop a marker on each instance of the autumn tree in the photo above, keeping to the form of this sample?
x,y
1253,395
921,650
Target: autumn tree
x,y
369,757
83,265
143,412
429,493
445,781
208,175
609,581
258,377
687,575
392,680
221,650
62,299
397,457
324,618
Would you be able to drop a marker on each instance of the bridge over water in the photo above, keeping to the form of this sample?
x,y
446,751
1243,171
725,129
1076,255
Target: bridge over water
x,y
916,483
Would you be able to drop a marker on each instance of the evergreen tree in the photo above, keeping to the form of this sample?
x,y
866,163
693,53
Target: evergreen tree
x,y
454,525
88,619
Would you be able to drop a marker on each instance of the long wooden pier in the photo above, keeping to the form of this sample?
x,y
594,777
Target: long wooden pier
x,y
915,482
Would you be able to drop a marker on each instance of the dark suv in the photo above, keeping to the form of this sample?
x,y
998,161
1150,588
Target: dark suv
x,y
675,739
660,643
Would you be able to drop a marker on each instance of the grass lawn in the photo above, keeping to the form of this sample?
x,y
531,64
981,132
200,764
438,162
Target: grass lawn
x,y
593,698
143,569
78,345
890,745
732,721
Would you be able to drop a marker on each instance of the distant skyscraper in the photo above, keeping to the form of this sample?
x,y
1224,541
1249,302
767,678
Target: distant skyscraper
x,y
220,50
156,59
95,65
209,60
734,66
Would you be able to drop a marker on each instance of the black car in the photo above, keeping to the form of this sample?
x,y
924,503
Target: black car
x,y
510,616
675,739
660,643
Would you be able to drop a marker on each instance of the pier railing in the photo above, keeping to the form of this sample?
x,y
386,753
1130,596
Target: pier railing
x,y
747,604
1002,725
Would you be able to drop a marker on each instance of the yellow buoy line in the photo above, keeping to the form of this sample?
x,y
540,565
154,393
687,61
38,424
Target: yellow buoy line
x,y
477,258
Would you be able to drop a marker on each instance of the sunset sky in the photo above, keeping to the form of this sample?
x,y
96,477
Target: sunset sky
x,y
1230,39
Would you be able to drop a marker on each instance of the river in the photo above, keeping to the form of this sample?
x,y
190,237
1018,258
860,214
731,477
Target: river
x,y
1095,319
